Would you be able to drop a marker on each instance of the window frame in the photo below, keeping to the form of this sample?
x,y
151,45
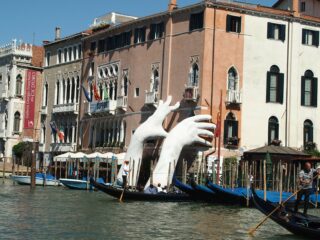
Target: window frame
x,y
229,23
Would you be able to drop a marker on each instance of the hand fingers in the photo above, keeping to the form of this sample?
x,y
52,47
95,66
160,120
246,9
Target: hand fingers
x,y
203,125
205,133
199,118
176,106
203,141
168,100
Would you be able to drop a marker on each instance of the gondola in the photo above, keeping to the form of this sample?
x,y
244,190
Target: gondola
x,y
140,196
231,195
297,223
197,192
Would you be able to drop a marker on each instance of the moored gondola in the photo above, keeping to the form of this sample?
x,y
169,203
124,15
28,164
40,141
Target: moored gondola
x,y
141,196
297,223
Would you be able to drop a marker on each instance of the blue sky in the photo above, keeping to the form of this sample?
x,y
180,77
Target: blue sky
x,y
36,19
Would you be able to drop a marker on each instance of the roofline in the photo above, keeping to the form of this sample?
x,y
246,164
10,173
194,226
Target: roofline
x,y
119,14
73,36
137,20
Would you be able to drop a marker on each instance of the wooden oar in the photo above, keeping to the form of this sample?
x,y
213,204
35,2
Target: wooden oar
x,y
121,196
251,231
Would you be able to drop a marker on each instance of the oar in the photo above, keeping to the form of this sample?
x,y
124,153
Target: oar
x,y
251,231
121,196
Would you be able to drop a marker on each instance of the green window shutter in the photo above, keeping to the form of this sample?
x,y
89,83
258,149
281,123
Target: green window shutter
x,y
282,32
239,25
270,32
280,88
225,132
302,90
228,23
268,87
314,100
315,39
304,33
235,129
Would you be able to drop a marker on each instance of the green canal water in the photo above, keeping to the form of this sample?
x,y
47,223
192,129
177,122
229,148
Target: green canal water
x,y
59,213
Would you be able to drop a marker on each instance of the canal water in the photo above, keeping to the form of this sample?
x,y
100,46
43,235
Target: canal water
x,y
59,213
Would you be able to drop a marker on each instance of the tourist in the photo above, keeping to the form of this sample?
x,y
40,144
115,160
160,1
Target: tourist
x,y
159,189
305,177
151,190
125,173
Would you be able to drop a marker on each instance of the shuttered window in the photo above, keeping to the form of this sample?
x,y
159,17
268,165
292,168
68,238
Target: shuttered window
x,y
196,21
275,85
230,127
273,129
233,24
307,132
309,89
276,31
310,37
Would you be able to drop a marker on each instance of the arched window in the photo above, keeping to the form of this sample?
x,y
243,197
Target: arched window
x,y
74,52
65,55
16,123
111,95
77,90
68,91
230,128
101,91
57,92
70,54
73,90
273,129
19,85
194,75
232,79
59,56
115,90
307,132
154,86
125,86
275,82
309,86
63,91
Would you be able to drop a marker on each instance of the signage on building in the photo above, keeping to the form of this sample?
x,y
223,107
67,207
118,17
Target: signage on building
x,y
30,99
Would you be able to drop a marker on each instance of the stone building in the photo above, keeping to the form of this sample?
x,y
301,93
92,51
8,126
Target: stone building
x,y
20,89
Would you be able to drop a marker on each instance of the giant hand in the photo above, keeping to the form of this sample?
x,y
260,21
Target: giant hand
x,y
151,128
190,130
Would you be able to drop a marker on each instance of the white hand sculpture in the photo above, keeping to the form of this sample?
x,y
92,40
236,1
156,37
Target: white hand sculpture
x,y
190,130
151,128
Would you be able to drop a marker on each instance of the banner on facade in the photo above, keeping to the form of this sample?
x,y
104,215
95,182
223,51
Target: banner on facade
x,y
30,93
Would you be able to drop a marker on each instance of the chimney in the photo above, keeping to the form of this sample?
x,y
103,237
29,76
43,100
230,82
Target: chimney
x,y
57,33
295,8
172,5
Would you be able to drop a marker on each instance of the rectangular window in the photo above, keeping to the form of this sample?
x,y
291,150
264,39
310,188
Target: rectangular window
x,y
196,21
74,52
118,41
65,55
93,46
140,35
302,7
307,92
310,37
48,59
233,24
101,45
276,31
273,88
156,31
59,56
136,92
79,51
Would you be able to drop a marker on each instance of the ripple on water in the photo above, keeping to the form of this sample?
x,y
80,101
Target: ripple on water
x,y
58,213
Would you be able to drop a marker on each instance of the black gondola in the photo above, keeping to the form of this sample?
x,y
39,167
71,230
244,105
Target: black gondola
x,y
197,192
297,223
140,196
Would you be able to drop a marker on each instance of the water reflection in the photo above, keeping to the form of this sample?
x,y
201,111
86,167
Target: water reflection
x,y
58,213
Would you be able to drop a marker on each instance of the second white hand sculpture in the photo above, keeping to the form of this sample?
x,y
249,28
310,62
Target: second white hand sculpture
x,y
185,133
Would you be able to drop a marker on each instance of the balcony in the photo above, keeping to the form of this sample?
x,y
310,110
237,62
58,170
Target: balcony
x,y
191,93
66,108
233,97
63,147
152,98
122,102
106,106
44,110
231,142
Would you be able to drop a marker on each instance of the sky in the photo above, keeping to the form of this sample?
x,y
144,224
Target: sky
x,y
33,21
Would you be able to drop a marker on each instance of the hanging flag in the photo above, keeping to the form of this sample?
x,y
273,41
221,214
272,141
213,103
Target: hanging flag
x,y
96,92
53,128
105,93
61,134
86,94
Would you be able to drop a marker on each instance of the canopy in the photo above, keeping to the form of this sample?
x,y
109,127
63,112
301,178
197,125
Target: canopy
x,y
63,157
95,155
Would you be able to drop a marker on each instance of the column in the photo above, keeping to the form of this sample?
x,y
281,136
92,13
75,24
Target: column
x,y
74,84
70,90
65,91
55,93
61,92
73,131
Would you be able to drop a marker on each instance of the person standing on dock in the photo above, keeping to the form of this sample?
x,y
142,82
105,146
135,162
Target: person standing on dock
x,y
305,177
125,173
